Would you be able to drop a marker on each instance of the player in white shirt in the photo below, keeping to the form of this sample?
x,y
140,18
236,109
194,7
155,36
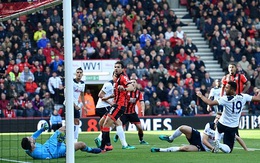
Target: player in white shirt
x,y
199,141
228,123
78,91
213,95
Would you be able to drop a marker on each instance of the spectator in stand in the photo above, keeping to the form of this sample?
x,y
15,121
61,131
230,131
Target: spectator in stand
x,y
9,112
19,86
244,63
174,99
14,73
15,103
30,87
28,110
148,108
55,120
182,55
207,81
39,56
185,99
148,91
169,33
38,107
190,47
38,34
191,110
48,102
55,63
26,74
3,104
144,37
201,73
3,68
254,106
43,41
54,85
226,58
159,110
130,69
162,93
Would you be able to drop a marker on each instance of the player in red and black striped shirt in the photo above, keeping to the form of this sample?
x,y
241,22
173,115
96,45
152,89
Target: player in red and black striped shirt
x,y
130,114
121,87
242,83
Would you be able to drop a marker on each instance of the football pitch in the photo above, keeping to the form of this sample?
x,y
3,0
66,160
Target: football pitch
x,y
11,150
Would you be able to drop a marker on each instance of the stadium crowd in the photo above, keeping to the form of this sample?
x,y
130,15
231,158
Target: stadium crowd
x,y
146,35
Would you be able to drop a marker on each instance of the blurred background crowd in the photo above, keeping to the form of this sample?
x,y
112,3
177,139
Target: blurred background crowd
x,y
146,35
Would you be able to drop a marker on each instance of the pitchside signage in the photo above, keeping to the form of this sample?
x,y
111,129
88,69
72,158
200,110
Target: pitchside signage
x,y
95,71
148,123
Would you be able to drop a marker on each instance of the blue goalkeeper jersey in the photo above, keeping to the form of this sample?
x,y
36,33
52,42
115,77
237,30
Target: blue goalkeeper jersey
x,y
50,149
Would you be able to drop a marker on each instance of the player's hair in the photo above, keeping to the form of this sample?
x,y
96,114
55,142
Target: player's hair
x,y
79,69
120,63
233,64
26,144
233,85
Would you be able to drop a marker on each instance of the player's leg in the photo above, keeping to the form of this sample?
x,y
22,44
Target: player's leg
x,y
133,118
187,130
228,139
83,147
186,148
76,124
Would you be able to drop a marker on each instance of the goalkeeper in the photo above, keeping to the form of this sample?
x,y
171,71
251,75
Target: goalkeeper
x,y
54,147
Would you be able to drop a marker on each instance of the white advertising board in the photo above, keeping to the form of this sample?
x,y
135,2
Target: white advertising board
x,y
95,71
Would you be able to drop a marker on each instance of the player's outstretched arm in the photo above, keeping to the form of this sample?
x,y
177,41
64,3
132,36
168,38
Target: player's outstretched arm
x,y
206,100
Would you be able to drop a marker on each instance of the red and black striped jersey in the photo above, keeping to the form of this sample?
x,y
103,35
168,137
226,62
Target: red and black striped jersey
x,y
240,79
121,96
132,98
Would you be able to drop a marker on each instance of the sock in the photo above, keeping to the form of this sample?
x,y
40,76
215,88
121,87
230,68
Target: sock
x,y
105,138
170,149
224,148
140,134
100,136
86,149
175,134
76,133
121,134
37,133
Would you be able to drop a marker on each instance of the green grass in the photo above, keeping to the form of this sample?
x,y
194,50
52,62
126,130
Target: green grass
x,y
10,149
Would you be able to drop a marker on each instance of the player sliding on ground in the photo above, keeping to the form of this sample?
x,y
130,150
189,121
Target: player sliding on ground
x,y
199,141
54,147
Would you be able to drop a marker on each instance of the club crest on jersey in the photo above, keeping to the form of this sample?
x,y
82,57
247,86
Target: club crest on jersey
x,y
132,100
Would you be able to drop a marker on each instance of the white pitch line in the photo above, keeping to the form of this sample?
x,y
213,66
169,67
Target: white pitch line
x,y
7,160
250,149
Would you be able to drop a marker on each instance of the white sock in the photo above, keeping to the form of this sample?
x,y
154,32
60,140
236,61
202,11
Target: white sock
x,y
175,134
100,136
121,134
170,149
224,148
76,133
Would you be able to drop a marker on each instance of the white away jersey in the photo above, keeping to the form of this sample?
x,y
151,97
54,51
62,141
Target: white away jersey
x,y
215,93
78,87
233,106
108,88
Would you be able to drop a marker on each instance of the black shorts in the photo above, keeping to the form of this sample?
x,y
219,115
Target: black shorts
x,y
76,113
116,111
229,134
102,111
132,118
196,140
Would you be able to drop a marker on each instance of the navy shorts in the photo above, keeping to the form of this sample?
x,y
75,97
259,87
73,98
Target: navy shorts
x,y
229,134
76,113
132,118
196,140
102,111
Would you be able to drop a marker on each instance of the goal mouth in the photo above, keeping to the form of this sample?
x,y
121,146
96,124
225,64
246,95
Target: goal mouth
x,y
10,10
